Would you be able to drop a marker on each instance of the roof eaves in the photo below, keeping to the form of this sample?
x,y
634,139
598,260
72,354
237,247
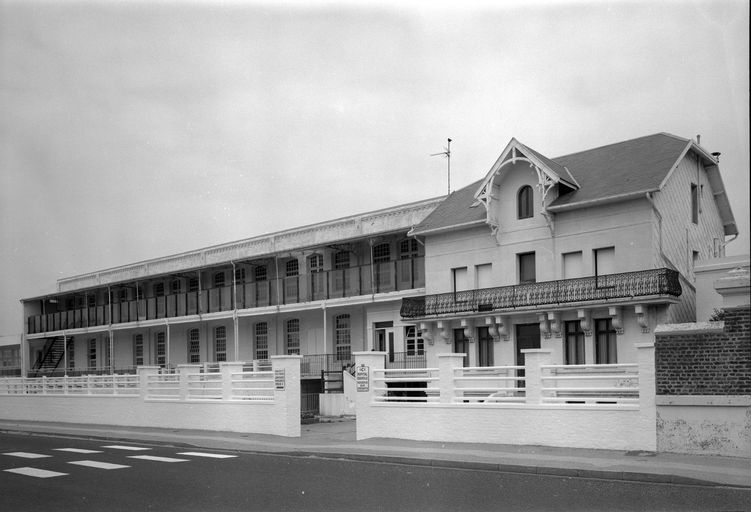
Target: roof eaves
x,y
442,229
601,200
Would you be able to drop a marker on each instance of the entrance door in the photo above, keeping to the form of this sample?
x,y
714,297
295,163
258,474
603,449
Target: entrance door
x,y
461,345
384,342
527,336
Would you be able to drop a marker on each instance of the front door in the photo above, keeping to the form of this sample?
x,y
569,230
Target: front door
x,y
384,342
461,345
527,336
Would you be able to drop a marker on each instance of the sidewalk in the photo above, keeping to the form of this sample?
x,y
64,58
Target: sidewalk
x,y
336,439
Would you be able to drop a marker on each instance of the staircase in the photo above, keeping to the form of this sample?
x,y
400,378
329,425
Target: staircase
x,y
52,355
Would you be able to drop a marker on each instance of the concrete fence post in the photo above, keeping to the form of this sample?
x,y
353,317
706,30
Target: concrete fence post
x,y
226,370
366,364
184,370
447,364
534,358
287,393
645,356
143,373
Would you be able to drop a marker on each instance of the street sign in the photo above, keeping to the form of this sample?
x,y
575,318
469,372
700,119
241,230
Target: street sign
x,y
362,377
279,379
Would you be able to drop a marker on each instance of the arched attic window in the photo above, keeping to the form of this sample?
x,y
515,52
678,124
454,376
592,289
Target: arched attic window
x,y
524,198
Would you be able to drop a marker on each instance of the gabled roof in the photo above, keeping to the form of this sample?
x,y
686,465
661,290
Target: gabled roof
x,y
604,174
634,166
455,211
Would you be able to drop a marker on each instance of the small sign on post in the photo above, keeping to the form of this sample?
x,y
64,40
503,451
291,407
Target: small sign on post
x,y
279,379
362,377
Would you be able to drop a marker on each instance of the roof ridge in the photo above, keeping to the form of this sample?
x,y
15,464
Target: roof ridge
x,y
618,143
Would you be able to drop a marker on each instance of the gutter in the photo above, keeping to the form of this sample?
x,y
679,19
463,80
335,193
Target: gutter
x,y
412,232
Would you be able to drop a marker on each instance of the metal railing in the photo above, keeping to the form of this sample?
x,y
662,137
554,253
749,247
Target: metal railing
x,y
313,364
82,385
489,384
590,384
395,275
406,385
662,281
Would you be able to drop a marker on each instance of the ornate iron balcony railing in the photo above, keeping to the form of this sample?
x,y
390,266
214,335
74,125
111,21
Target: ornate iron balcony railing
x,y
662,281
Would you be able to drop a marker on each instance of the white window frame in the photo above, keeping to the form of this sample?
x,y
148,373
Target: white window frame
x,y
220,344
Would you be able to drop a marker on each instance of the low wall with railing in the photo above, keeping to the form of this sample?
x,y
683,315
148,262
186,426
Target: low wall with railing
x,y
581,406
230,398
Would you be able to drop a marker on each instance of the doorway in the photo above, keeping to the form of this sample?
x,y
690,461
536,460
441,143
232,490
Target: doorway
x,y
384,339
527,336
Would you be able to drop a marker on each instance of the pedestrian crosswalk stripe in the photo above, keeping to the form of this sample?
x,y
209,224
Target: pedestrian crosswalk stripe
x,y
131,448
97,464
38,473
158,459
77,450
210,455
27,455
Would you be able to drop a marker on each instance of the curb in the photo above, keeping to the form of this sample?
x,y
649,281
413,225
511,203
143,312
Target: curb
x,y
625,476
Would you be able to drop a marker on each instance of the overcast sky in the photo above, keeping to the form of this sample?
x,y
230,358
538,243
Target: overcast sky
x,y
133,130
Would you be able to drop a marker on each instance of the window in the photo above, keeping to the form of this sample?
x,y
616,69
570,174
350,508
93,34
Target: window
x,y
408,249
484,347
315,263
605,342
605,261
292,268
262,341
694,203
138,350
459,279
91,300
107,351
524,199
193,284
694,260
342,338
139,292
292,336
220,344
341,260
92,353
573,265
574,343
483,276
159,290
160,349
239,275
122,294
413,341
461,345
527,273
79,302
381,253
259,273
176,286
71,354
194,346
219,280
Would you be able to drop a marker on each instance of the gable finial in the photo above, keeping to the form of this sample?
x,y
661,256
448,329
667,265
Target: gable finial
x,y
447,153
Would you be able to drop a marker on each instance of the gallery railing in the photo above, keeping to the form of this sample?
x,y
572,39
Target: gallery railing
x,y
396,275
662,281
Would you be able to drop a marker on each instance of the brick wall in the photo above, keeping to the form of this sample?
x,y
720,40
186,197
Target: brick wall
x,y
708,361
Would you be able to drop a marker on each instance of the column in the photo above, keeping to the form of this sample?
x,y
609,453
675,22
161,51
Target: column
x,y
447,363
184,370
143,373
226,370
645,356
533,359
287,393
365,365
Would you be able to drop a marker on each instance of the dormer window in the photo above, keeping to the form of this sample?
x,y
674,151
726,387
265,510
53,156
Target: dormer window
x,y
524,199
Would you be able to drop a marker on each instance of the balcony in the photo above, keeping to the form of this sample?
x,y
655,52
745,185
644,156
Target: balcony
x,y
391,276
644,283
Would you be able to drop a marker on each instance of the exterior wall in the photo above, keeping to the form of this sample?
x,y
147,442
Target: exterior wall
x,y
707,272
679,236
704,386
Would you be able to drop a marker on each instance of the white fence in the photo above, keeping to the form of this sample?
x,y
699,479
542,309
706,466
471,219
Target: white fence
x,y
585,406
228,396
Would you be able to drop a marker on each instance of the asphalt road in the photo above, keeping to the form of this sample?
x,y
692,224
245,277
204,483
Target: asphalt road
x,y
157,477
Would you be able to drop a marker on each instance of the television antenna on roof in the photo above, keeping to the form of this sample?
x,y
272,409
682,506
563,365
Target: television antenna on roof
x,y
447,153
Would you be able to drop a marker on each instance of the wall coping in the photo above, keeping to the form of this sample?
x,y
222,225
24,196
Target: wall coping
x,y
704,400
690,328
